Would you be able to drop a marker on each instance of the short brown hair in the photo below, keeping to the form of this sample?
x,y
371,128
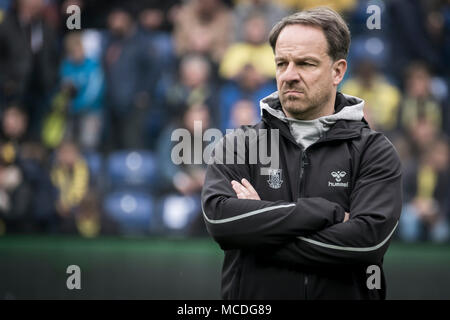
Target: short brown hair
x,y
333,26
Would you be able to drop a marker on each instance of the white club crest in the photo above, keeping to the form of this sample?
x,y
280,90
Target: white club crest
x,y
275,179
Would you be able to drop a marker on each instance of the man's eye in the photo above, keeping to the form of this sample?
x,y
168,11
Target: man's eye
x,y
280,64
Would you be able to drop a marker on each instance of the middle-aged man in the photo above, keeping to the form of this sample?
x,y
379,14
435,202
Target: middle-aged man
x,y
317,226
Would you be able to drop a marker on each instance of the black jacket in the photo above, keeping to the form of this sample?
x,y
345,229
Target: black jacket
x,y
21,70
292,244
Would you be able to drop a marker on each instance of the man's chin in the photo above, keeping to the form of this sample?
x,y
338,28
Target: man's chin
x,y
294,107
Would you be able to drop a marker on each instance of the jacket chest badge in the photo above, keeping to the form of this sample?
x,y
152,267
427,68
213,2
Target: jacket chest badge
x,y
338,175
275,179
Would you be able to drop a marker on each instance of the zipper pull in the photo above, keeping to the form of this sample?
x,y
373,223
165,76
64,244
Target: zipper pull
x,y
305,159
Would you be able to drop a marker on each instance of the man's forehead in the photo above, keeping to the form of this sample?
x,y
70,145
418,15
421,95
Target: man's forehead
x,y
301,40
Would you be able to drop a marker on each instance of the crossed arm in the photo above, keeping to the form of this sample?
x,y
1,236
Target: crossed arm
x,y
245,190
329,245
311,231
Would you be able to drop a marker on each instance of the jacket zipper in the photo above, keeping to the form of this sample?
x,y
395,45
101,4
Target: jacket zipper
x,y
304,163
301,175
306,287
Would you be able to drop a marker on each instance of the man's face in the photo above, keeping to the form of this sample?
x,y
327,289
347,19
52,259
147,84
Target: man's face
x,y
306,75
194,73
14,123
119,22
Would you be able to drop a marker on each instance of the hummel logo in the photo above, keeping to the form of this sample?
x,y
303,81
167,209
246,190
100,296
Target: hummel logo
x,y
338,175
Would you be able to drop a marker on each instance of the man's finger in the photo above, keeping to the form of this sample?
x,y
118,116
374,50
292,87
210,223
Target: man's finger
x,y
249,186
244,190
346,216
240,190
236,187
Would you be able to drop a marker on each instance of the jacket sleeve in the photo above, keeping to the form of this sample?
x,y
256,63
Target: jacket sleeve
x,y
242,223
375,207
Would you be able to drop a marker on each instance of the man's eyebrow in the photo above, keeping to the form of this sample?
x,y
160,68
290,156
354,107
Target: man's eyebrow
x,y
308,58
302,58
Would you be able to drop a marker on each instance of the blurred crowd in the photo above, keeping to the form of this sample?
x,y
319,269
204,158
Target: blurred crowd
x,y
87,115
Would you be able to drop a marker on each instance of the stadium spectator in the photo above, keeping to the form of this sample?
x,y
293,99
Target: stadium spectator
x,y
160,44
155,22
24,161
14,125
187,178
411,35
55,122
35,162
254,51
194,85
129,75
249,85
157,15
420,135
86,77
270,10
70,175
28,58
425,213
15,189
243,113
88,217
381,98
203,26
15,193
418,101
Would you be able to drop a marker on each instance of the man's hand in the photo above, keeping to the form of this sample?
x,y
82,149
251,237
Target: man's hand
x,y
346,217
244,190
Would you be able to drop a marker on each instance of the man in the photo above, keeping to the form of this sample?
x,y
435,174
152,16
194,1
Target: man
x,y
318,226
28,55
129,75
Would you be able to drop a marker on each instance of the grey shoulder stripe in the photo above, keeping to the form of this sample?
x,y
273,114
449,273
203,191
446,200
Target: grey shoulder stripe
x,y
331,246
245,215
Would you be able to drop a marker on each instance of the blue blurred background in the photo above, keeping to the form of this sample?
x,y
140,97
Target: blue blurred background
x,y
87,116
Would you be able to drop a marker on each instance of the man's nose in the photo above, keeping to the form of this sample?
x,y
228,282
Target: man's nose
x,y
290,74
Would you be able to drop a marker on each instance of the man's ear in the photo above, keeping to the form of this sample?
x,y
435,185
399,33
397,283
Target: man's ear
x,y
338,71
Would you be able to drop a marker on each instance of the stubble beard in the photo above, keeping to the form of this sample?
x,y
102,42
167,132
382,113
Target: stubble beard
x,y
306,108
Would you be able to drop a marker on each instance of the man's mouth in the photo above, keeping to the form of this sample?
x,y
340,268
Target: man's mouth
x,y
293,92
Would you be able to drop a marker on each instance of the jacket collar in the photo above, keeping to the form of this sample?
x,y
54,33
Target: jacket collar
x,y
341,130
